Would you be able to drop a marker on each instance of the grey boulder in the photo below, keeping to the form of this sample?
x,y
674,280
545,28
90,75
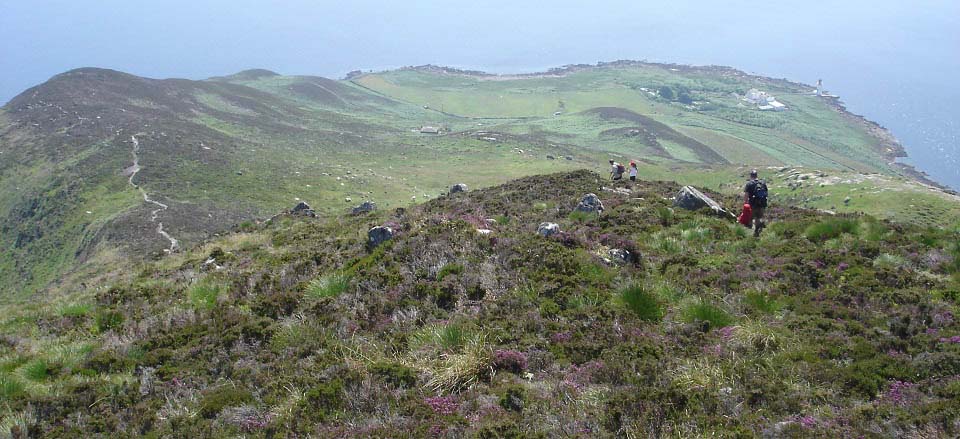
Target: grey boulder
x,y
620,256
378,235
590,203
304,209
691,198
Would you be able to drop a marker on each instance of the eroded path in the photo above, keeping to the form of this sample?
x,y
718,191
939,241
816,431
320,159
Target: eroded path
x,y
133,170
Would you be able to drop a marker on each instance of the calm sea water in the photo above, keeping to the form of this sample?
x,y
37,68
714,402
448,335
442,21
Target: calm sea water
x,y
895,62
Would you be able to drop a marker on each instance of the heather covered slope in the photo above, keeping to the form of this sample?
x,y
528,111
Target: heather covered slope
x,y
825,326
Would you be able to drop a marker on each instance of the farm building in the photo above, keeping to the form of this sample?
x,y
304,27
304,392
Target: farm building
x,y
764,100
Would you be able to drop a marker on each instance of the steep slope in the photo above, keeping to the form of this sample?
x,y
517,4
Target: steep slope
x,y
210,154
69,151
468,323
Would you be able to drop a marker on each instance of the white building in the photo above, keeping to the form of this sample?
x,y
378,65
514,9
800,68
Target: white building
x,y
758,97
763,100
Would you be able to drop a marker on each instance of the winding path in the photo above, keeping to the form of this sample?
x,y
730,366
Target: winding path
x,y
133,170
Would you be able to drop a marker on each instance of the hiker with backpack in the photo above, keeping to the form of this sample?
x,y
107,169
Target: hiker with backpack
x,y
755,196
633,170
616,170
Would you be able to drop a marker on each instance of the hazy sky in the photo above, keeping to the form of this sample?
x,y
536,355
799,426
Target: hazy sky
x,y
892,60
197,39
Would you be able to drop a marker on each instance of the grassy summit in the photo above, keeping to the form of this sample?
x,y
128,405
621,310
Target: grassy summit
x,y
825,326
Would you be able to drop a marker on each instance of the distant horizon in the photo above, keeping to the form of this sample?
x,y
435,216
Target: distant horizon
x,y
466,68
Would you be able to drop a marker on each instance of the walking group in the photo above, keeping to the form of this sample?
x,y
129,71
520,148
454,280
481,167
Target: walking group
x,y
617,170
754,195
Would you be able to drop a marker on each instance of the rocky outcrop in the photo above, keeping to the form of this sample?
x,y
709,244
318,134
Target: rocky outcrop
x,y
590,203
304,209
691,198
378,235
365,207
620,256
457,188
548,229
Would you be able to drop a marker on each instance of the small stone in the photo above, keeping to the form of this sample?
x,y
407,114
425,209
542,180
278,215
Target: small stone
x,y
548,229
366,206
457,188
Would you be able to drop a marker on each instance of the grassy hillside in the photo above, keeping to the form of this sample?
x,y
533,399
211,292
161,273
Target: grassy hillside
x,y
237,149
839,326
217,152
812,133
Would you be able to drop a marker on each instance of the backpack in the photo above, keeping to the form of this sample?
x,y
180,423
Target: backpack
x,y
759,198
620,169
746,215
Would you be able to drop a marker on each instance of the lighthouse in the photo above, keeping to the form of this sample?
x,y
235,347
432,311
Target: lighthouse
x,y
819,87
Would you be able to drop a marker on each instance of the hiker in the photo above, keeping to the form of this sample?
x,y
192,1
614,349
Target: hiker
x,y
755,194
633,170
616,170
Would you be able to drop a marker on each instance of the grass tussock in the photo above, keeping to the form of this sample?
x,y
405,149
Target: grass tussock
x,y
75,310
450,337
700,374
762,302
756,337
708,314
457,371
831,228
641,303
328,286
204,294
11,387
17,424
39,370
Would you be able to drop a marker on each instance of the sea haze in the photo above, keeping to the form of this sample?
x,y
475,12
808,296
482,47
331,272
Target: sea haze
x,y
891,61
